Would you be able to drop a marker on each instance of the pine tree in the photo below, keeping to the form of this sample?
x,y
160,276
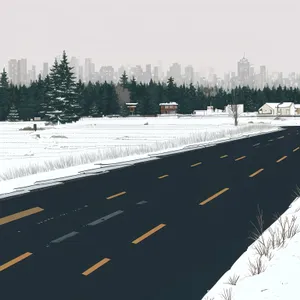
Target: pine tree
x,y
71,109
125,112
93,111
124,80
44,90
13,114
4,95
55,105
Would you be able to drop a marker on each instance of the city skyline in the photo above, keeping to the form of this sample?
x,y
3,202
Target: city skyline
x,y
199,33
246,74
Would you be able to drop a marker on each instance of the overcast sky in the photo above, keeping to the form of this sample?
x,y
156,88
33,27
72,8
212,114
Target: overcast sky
x,y
203,33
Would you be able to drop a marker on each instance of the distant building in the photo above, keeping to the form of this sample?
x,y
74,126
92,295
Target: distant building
x,y
284,108
168,108
243,71
131,106
13,71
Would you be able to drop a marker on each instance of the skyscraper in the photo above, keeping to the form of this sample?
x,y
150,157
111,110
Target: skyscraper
x,y
13,71
189,74
243,71
45,70
88,70
22,71
74,63
263,76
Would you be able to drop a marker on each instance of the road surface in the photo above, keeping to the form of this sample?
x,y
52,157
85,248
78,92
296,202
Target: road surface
x,y
167,229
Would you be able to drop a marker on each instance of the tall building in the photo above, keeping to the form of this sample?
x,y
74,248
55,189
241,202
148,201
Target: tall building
x,y
175,72
22,71
45,70
189,74
13,71
74,63
156,73
106,73
80,73
243,71
263,76
33,74
88,70
148,73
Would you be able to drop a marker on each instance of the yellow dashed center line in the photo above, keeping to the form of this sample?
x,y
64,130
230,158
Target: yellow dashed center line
x,y
255,173
214,196
20,215
14,261
147,234
281,159
163,176
224,156
240,158
197,164
296,149
116,195
96,266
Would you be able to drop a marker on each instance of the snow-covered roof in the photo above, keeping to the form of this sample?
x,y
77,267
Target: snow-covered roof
x,y
272,105
131,103
170,103
297,105
285,104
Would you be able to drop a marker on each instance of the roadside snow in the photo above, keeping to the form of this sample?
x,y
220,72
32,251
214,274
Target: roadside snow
x,y
270,268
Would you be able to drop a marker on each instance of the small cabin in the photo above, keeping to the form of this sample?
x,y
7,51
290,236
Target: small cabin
x,y
168,108
131,107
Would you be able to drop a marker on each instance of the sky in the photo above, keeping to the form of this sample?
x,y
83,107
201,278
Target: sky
x,y
203,33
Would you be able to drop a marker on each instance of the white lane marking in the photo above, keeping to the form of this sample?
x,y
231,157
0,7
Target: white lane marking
x,y
64,237
142,202
118,212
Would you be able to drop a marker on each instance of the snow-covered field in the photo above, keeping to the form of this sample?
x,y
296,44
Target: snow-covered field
x,y
62,150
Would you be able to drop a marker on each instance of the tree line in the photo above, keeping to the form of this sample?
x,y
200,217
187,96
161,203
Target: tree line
x,y
60,98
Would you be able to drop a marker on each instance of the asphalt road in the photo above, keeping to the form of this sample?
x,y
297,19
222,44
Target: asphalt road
x,y
162,236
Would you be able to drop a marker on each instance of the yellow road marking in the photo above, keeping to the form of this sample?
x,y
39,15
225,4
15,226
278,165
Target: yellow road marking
x,y
296,149
197,164
116,195
20,215
96,266
163,176
282,158
147,234
14,261
255,173
214,196
242,157
281,137
224,156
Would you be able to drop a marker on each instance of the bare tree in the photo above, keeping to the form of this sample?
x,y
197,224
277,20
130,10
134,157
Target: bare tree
x,y
233,108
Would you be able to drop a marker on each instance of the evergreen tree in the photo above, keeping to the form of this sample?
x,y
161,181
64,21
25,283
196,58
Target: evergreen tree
x,y
93,111
67,92
55,105
44,91
124,80
4,95
13,114
125,112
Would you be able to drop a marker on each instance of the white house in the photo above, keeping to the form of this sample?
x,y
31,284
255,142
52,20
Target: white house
x,y
284,108
268,109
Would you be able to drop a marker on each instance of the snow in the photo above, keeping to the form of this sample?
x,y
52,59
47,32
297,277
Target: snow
x,y
281,268
63,150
